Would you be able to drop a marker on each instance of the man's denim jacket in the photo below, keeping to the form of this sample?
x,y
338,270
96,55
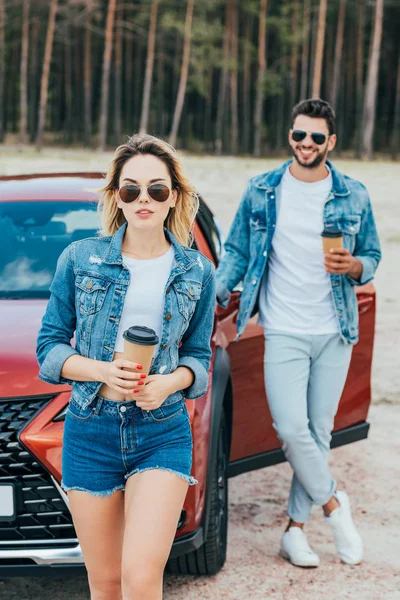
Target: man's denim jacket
x,y
87,297
249,244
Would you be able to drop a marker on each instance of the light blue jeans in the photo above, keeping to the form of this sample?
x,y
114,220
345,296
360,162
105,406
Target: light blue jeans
x,y
304,380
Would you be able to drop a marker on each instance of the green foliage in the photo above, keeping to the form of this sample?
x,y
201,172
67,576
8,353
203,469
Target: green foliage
x,y
284,43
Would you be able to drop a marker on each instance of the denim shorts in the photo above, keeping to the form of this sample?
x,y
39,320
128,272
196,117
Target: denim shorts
x,y
109,441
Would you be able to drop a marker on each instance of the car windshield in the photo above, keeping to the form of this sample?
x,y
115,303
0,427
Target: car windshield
x,y
32,237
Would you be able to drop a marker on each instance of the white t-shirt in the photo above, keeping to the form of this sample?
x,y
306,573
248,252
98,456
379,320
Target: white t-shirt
x,y
295,294
144,301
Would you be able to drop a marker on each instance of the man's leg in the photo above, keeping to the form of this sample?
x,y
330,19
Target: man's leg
x,y
330,360
329,367
287,371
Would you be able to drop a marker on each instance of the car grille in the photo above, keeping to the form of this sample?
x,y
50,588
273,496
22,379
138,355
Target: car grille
x,y
42,516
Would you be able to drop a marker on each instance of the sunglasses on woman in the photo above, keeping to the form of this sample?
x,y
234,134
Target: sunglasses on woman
x,y
319,138
157,191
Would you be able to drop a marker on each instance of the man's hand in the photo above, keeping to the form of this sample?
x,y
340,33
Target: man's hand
x,y
340,262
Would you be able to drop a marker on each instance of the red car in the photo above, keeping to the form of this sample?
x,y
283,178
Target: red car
x,y
231,424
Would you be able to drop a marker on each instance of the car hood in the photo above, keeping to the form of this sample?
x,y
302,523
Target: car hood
x,y
20,323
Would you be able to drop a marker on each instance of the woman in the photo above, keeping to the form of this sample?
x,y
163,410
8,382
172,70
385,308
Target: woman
x,y
127,446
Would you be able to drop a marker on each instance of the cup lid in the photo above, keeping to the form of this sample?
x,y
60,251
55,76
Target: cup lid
x,y
144,336
332,232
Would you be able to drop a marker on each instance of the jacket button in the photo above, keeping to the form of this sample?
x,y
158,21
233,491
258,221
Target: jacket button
x,y
89,284
191,292
254,281
168,290
265,253
168,316
152,372
164,346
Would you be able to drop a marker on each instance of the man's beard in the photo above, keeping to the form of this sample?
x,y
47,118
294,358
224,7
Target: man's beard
x,y
315,163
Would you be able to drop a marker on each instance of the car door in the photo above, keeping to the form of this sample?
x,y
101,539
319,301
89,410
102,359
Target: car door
x,y
253,433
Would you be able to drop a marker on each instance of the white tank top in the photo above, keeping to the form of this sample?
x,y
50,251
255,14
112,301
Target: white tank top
x,y
144,300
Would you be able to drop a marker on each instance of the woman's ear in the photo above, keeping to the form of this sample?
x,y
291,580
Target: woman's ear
x,y
117,199
174,198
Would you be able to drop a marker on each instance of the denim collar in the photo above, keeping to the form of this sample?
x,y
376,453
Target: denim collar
x,y
114,256
270,180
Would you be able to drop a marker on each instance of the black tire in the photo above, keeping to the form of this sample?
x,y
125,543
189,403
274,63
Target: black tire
x,y
210,557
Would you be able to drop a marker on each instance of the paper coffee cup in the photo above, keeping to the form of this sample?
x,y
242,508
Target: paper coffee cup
x,y
139,346
331,238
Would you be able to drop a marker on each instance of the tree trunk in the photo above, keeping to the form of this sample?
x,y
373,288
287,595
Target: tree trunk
x,y
184,74
305,50
138,77
208,111
234,80
294,58
23,118
246,84
360,76
396,121
372,83
118,78
319,52
262,68
2,69
44,83
338,53
144,119
69,124
161,103
88,73
33,79
105,83
223,82
128,70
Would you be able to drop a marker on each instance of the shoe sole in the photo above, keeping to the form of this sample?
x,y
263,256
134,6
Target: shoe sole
x,y
286,556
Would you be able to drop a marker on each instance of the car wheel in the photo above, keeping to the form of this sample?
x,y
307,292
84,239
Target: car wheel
x,y
210,557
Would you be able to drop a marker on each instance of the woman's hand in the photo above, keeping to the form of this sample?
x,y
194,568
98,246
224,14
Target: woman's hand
x,y
117,378
157,388
155,392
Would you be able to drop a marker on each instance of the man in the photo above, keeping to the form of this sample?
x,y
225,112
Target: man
x,y
308,308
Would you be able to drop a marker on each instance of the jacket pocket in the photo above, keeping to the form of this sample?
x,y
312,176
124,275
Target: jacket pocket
x,y
90,293
257,223
187,295
350,225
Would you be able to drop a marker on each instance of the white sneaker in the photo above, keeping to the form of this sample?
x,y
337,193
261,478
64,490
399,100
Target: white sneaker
x,y
348,542
295,548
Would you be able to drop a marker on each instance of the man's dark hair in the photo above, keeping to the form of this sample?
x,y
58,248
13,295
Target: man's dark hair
x,y
317,109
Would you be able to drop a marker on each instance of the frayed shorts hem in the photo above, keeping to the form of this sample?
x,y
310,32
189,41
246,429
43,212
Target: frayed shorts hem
x,y
102,493
188,478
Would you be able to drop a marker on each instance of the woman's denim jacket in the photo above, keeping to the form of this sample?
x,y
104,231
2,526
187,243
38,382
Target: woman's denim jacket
x,y
87,297
249,244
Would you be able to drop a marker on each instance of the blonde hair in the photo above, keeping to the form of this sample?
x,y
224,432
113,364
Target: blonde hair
x,y
180,219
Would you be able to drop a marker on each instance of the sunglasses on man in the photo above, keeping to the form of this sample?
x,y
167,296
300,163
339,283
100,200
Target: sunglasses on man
x,y
298,135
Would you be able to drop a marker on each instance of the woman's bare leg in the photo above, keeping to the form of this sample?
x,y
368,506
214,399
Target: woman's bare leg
x,y
99,524
153,504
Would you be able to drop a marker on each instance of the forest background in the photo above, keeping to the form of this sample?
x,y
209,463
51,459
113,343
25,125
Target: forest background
x,y
214,76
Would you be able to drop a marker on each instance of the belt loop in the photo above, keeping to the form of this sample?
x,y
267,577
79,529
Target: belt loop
x,y
98,406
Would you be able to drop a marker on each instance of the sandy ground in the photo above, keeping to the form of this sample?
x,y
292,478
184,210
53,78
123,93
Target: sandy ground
x,y
369,470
